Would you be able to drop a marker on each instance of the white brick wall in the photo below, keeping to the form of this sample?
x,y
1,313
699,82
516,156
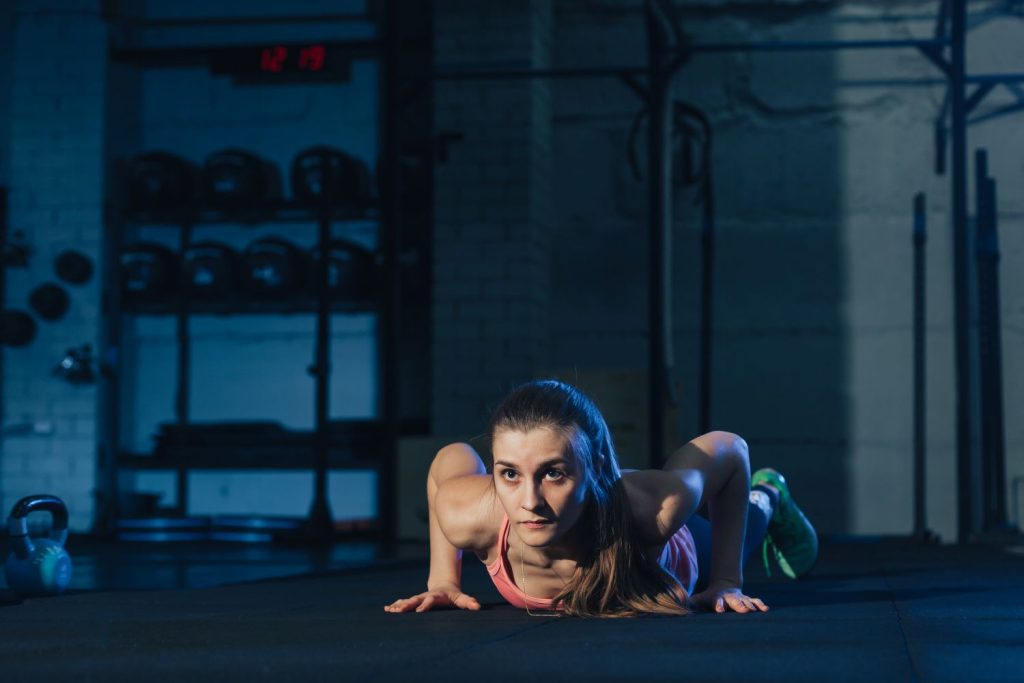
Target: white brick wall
x,y
492,211
56,175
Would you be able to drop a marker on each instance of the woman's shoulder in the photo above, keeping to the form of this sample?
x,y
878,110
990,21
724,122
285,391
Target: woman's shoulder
x,y
469,513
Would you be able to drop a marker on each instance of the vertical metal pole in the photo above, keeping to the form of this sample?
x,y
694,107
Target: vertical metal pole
x,y
659,232
990,352
998,491
920,480
181,402
389,301
3,295
109,361
965,403
320,519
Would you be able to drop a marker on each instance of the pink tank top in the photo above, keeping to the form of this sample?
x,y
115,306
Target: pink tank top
x,y
679,557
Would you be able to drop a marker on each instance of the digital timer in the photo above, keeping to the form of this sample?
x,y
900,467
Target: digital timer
x,y
289,62
282,58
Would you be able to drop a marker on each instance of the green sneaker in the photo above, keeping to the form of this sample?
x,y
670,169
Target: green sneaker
x,y
793,541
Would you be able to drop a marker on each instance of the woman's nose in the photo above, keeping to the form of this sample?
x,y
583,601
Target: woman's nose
x,y
531,497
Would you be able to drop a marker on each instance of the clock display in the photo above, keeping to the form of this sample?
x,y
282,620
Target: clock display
x,y
283,59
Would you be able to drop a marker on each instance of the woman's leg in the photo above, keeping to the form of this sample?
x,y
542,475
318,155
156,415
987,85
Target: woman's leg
x,y
759,509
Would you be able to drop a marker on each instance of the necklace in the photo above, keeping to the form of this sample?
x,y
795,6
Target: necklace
x,y
522,571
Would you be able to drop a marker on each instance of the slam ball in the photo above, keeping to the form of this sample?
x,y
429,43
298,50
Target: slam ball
x,y
49,301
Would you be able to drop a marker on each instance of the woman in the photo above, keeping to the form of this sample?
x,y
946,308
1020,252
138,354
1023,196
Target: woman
x,y
560,527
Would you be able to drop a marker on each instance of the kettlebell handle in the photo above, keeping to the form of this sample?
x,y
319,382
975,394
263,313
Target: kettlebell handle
x,y
17,523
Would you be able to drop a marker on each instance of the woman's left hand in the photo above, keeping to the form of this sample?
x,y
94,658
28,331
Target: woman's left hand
x,y
718,598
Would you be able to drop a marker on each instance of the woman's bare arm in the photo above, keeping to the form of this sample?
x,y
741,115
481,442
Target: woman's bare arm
x,y
454,460
721,460
445,579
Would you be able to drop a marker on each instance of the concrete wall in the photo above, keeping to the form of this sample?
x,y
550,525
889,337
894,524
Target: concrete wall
x,y
493,199
817,157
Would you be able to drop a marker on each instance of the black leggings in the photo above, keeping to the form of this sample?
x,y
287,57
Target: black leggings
x,y
757,525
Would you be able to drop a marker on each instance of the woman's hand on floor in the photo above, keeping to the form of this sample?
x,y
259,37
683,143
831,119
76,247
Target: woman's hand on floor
x,y
438,598
719,598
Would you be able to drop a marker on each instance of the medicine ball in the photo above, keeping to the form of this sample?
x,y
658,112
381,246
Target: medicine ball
x,y
351,270
210,269
49,301
73,267
149,272
236,179
161,181
273,267
17,328
321,169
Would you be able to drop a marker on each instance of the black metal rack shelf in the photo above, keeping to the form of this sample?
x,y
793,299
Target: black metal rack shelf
x,y
276,212
236,458
323,448
352,444
240,305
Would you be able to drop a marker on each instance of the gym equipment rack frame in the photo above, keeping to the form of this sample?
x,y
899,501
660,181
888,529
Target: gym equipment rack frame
x,y
320,525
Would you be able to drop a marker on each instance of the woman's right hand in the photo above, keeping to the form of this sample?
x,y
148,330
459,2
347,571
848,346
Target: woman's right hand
x,y
438,598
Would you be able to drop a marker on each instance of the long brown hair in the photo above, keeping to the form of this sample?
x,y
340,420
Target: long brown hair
x,y
616,578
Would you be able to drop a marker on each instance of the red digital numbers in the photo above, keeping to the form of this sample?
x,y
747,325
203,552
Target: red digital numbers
x,y
272,59
278,59
312,58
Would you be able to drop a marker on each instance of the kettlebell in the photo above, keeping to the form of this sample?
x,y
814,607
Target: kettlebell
x,y
41,566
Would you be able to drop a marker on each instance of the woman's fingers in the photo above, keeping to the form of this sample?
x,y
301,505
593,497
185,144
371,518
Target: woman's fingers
x,y
467,602
404,604
427,601
738,603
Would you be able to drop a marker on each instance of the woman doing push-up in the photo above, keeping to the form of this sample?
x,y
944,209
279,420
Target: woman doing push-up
x,y
562,529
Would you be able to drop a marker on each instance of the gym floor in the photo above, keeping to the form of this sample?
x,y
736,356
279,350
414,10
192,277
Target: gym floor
x,y
874,610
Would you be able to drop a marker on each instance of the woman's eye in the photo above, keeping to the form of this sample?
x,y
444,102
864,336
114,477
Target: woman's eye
x,y
514,474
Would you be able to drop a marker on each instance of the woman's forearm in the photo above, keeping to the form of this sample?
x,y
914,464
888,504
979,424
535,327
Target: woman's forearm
x,y
445,558
453,461
727,509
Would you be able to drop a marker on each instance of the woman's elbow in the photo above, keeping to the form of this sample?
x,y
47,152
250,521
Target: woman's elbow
x,y
726,443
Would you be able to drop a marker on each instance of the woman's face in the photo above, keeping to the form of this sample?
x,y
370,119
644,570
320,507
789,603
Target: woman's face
x,y
535,479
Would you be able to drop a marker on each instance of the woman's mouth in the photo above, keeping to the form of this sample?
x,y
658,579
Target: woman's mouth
x,y
535,525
